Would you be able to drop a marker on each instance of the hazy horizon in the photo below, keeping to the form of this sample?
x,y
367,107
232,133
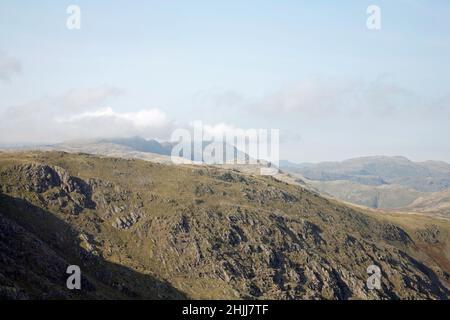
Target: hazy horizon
x,y
37,145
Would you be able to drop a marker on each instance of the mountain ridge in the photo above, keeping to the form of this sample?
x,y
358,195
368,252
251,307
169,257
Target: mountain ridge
x,y
385,182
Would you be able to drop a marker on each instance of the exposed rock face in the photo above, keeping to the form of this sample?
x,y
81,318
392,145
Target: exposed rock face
x,y
36,177
126,222
242,237
269,195
274,255
430,234
54,185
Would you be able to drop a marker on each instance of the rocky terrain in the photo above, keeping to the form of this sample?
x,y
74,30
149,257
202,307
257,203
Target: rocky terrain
x,y
144,230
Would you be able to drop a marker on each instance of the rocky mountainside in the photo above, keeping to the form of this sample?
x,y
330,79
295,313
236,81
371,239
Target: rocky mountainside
x,y
145,230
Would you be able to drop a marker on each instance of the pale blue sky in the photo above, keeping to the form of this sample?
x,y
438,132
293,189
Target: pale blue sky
x,y
310,68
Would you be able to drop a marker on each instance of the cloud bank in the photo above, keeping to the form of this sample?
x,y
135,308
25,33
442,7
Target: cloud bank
x,y
323,98
79,114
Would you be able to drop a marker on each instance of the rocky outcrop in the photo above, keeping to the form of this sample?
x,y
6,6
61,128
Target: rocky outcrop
x,y
126,222
279,256
56,188
267,195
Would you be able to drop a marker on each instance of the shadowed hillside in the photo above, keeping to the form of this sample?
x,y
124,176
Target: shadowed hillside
x,y
145,230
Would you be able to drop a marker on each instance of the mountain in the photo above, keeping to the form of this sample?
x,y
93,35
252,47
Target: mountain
x,y
376,182
142,145
139,229
141,148
385,196
429,176
437,203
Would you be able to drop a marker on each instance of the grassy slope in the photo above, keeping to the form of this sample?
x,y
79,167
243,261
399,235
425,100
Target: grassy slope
x,y
437,203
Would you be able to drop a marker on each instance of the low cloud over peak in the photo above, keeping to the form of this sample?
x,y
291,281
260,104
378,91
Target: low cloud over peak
x,y
79,114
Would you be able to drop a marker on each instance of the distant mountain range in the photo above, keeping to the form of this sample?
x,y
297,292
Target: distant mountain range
x,y
377,182
142,145
429,176
138,147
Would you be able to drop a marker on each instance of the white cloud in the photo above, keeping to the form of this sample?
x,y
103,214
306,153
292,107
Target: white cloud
x,y
79,114
219,99
318,98
141,119
69,103
82,99
215,130
338,97
220,130
9,67
106,122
